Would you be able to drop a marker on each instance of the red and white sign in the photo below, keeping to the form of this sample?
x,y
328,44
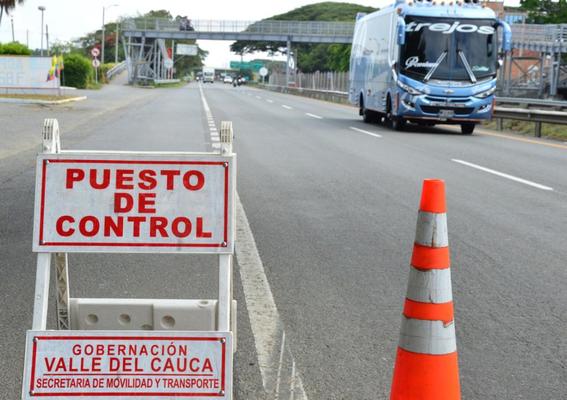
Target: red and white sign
x,y
132,365
95,52
124,202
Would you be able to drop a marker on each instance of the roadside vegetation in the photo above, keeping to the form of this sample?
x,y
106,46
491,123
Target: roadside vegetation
x,y
550,131
312,57
14,48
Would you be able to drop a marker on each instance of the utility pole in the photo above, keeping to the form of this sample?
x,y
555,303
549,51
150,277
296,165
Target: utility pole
x,y
47,38
103,32
42,9
28,38
116,43
13,36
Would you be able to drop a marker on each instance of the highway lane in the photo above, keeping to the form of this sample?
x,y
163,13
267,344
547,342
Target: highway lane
x,y
333,215
333,211
133,119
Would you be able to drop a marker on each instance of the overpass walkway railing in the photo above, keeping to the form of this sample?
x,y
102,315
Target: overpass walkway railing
x,y
237,29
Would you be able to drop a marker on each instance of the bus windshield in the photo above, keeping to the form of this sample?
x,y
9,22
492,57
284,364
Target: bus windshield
x,y
449,49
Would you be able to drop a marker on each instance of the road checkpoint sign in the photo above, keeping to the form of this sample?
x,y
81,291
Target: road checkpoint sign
x,y
123,202
133,365
92,201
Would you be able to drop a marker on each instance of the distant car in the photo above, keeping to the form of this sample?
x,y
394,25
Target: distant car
x,y
227,79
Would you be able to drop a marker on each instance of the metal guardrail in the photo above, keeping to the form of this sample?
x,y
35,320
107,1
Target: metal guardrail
x,y
118,68
518,109
533,103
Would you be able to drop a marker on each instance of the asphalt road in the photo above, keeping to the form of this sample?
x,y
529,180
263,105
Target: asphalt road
x,y
332,210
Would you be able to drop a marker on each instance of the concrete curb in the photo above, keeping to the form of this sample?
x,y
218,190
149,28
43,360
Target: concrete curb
x,y
35,101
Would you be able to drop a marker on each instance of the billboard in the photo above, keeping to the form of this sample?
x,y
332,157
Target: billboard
x,y
23,72
187,49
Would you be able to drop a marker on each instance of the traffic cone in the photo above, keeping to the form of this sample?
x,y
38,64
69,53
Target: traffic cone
x,y
426,362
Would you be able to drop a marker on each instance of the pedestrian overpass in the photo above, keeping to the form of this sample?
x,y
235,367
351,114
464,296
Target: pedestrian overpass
x,y
144,38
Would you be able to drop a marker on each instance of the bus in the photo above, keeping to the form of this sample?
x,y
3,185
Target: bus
x,y
428,63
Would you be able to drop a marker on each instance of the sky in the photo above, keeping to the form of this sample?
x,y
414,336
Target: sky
x,y
69,19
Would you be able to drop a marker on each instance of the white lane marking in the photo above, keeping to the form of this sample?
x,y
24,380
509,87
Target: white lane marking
x,y
258,97
213,133
503,175
287,107
265,321
269,101
264,317
365,132
313,116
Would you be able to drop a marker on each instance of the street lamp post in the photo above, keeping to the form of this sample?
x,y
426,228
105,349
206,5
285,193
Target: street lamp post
x,y
103,33
116,43
42,9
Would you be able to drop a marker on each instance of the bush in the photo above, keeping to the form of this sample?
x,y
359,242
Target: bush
x,y
102,70
77,71
14,48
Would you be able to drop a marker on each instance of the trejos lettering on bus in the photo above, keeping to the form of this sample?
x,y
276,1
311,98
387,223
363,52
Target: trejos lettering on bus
x,y
143,203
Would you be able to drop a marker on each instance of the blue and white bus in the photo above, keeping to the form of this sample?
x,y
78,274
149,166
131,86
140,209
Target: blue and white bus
x,y
427,62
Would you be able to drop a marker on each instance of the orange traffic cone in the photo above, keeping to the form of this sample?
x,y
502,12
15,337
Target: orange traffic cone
x,y
426,362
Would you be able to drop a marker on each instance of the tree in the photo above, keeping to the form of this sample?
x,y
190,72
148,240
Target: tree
x,y
312,57
183,65
14,48
545,11
7,6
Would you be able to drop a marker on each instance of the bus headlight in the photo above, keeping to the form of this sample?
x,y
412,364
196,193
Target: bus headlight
x,y
486,93
408,88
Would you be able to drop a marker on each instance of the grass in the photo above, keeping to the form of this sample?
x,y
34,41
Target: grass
x,y
171,85
45,97
550,131
94,85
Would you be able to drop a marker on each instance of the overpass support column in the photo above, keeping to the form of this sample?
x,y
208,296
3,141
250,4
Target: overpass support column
x,y
287,71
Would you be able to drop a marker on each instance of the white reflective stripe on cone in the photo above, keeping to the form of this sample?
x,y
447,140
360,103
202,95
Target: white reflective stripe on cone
x,y
431,229
430,286
427,337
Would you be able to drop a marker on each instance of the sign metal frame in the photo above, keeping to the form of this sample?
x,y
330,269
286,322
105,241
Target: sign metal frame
x,y
225,315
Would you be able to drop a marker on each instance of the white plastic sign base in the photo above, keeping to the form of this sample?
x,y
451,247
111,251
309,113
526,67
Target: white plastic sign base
x,y
127,365
134,202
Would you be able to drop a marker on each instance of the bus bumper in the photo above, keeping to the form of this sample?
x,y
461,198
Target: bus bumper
x,y
445,110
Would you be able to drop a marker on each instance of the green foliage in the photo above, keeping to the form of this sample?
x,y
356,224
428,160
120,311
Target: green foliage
x,y
183,65
545,11
158,14
14,48
312,57
78,71
8,5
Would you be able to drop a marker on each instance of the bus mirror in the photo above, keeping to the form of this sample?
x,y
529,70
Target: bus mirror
x,y
401,31
506,36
